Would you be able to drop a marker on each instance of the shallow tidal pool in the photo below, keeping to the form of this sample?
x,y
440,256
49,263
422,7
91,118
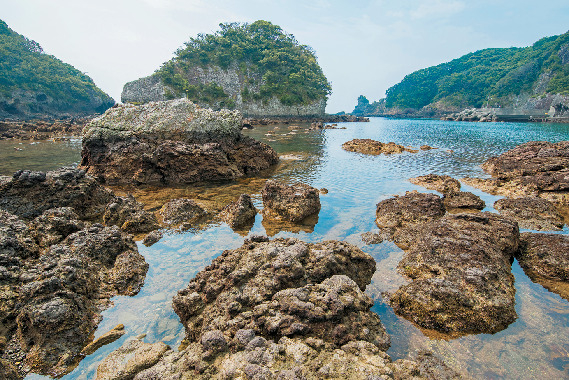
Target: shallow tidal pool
x,y
535,345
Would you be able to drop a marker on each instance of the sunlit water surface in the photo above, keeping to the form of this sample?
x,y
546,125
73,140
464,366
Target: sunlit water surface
x,y
536,345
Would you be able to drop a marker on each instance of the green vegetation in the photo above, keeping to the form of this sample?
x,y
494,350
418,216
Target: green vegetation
x,y
490,77
271,61
24,66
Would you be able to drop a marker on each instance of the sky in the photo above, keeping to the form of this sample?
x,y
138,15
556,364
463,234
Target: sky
x,y
363,46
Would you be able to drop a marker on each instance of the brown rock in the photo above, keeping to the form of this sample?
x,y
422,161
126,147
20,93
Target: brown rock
x,y
239,213
463,200
103,340
182,210
546,255
293,203
369,146
460,266
531,213
413,207
441,183
129,215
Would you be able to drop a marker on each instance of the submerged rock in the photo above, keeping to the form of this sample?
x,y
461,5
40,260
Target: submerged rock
x,y
170,142
441,183
293,203
54,285
536,169
531,213
460,267
369,146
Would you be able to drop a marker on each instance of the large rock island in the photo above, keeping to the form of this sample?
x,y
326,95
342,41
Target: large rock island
x,y
255,68
170,142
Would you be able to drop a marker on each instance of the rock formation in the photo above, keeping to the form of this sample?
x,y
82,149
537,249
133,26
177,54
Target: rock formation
x,y
178,211
369,146
239,213
57,274
292,203
413,207
462,200
534,169
171,142
441,183
531,213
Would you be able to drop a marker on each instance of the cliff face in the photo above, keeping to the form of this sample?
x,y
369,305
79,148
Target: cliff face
x,y
255,68
35,85
232,81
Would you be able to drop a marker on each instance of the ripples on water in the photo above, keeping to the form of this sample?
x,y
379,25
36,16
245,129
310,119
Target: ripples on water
x,y
536,345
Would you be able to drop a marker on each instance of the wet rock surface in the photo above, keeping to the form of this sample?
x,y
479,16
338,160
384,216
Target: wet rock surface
x,y
545,255
460,267
536,169
369,146
170,142
292,203
441,183
531,213
56,274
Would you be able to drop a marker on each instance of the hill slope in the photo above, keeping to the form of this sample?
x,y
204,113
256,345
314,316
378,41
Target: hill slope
x,y
38,85
531,78
256,68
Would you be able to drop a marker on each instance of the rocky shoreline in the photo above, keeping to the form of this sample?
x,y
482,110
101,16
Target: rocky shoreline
x,y
41,129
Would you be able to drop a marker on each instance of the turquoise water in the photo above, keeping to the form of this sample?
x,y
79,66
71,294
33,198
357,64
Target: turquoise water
x,y
536,345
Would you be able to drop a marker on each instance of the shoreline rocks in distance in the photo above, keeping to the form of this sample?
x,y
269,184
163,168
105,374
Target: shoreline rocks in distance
x,y
372,147
170,142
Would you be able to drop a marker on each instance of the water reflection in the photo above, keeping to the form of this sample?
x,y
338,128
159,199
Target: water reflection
x,y
534,346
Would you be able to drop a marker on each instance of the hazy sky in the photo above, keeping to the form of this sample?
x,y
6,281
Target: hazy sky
x,y
363,46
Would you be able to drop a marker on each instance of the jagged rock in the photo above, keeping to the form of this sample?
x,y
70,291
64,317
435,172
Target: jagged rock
x,y
441,183
369,146
460,266
462,200
170,142
545,255
52,295
424,365
182,210
103,340
31,193
413,207
239,213
152,238
133,357
531,213
535,169
129,215
293,203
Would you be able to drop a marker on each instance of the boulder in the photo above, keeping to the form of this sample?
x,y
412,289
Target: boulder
x,y
441,183
460,267
129,215
170,142
369,146
293,203
239,213
413,207
531,213
182,210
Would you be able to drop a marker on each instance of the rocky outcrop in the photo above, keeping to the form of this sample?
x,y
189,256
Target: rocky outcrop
x,y
41,129
56,275
178,211
369,146
412,208
441,183
293,203
28,194
170,142
536,169
460,267
531,213
545,260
